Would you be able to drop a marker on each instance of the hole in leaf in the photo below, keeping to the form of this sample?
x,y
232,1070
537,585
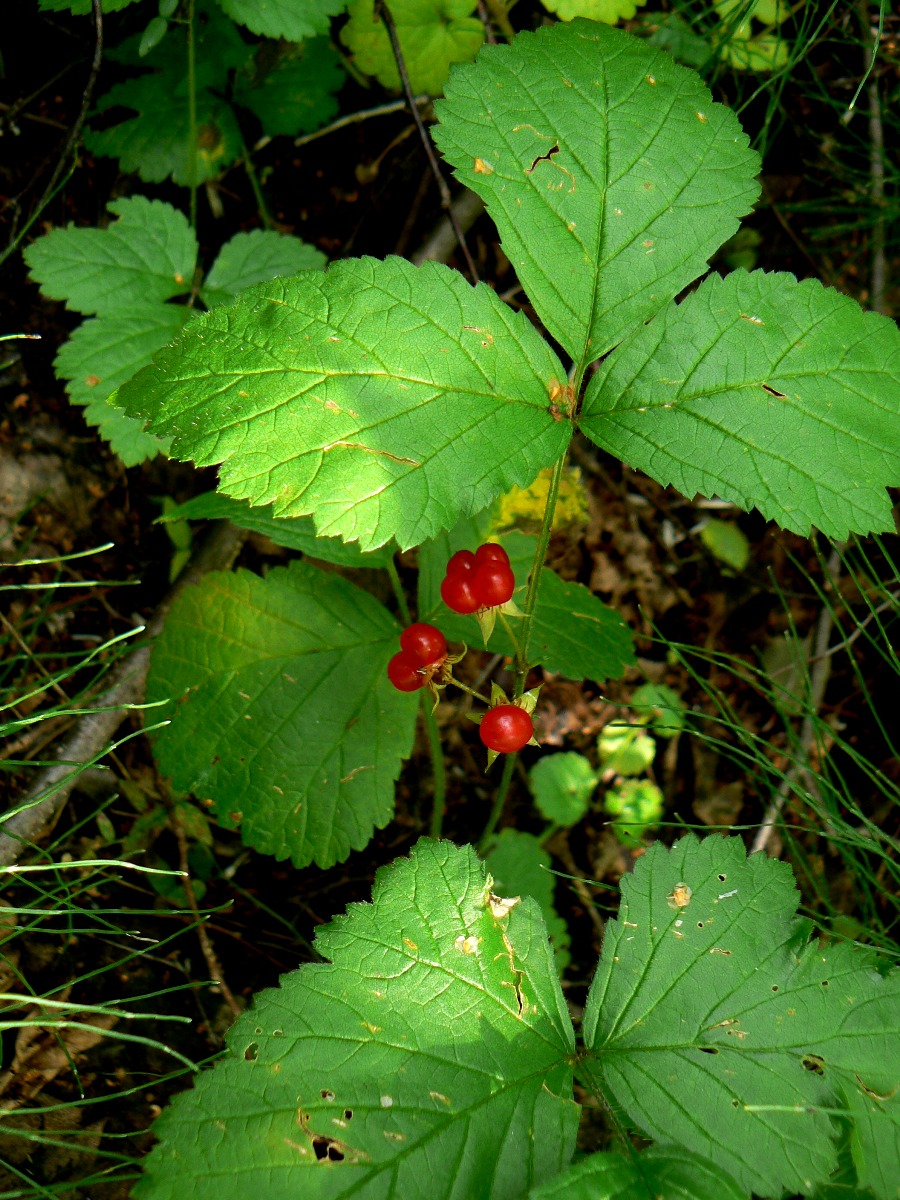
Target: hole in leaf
x,y
348,1114
773,392
699,924
814,1063
708,1050
542,158
327,1095
824,983
326,1149
735,1104
774,987
251,1052
722,878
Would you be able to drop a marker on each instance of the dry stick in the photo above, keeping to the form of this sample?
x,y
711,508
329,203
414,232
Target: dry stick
x,y
818,681
212,961
446,201
54,785
74,132
878,286
441,242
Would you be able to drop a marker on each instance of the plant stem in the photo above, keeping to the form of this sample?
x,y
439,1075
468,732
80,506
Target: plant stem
x,y
499,801
534,580
399,594
499,13
262,208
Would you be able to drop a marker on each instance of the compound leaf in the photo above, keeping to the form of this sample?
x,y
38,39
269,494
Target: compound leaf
x,y
716,1025
288,724
296,533
383,399
658,1173
430,1057
520,866
250,258
433,34
609,171
295,93
292,20
147,254
105,351
763,391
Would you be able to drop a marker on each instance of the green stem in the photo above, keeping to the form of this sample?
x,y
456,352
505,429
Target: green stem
x,y
499,801
500,14
438,767
534,580
471,691
192,113
262,208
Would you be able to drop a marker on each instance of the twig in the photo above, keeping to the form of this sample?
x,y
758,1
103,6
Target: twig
x,y
54,785
441,242
818,681
878,284
446,199
212,961
381,110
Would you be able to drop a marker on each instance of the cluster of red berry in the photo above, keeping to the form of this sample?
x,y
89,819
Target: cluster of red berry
x,y
423,651
480,580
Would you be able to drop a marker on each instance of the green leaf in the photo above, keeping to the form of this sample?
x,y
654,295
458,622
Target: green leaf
x,y
292,20
636,806
293,94
289,724
383,399
716,1025
625,749
296,533
251,258
672,33
763,391
609,11
433,34
105,351
610,173
562,786
147,254
520,866
430,1056
659,1173
81,8
156,143
573,633
727,542
661,706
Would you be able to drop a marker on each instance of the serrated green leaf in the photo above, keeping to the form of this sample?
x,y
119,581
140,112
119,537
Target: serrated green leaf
x,y
292,20
715,1025
383,399
429,1058
520,866
658,1173
608,11
433,35
763,391
727,542
250,258
296,533
562,786
609,171
289,724
147,254
293,94
105,351
156,143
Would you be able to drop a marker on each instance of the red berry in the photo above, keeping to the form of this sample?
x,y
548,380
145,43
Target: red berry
x,y
494,583
403,672
458,593
491,552
461,563
424,643
506,728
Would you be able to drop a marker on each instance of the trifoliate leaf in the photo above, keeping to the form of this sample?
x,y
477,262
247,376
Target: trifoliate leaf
x,y
763,391
636,806
663,708
147,254
609,171
659,1173
296,533
430,1056
156,143
292,20
520,866
105,351
256,257
625,749
433,34
383,399
609,11
727,542
562,786
717,1026
289,724
294,93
